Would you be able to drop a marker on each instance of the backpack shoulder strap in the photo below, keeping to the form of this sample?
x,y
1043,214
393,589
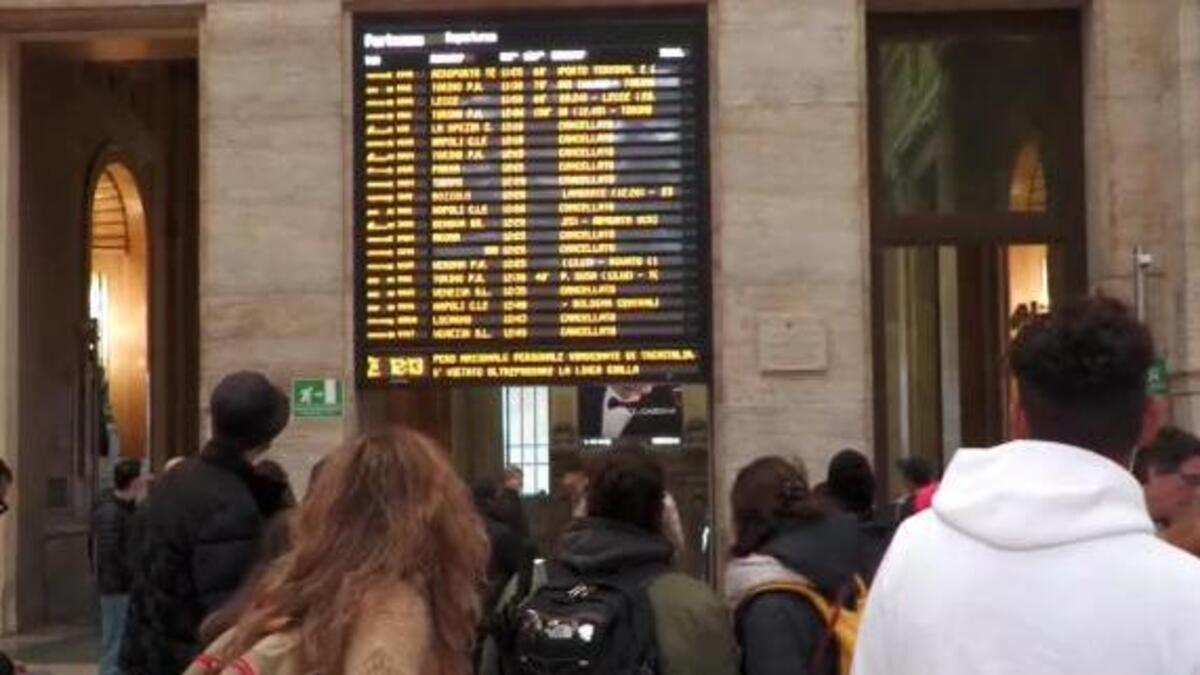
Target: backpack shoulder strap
x,y
830,612
807,591
860,593
635,585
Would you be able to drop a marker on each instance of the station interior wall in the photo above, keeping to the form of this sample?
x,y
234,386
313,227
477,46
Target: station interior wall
x,y
790,210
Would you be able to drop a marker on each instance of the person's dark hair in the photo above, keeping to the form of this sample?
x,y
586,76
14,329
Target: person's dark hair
x,y
125,472
513,471
6,473
488,495
1169,450
628,488
1081,376
274,471
918,471
768,496
570,463
852,483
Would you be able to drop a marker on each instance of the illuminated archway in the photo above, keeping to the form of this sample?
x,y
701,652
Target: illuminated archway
x,y
119,299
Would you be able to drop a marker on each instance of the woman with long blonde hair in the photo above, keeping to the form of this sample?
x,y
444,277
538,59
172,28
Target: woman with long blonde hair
x,y
384,574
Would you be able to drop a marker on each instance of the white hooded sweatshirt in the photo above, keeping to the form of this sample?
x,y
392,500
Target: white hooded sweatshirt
x,y
1036,559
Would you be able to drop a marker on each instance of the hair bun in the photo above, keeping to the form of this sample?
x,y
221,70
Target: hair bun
x,y
794,491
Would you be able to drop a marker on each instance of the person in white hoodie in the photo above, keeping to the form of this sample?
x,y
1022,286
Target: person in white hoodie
x,y
1038,556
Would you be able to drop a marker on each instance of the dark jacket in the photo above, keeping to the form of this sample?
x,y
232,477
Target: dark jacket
x,y
692,626
202,526
512,512
507,560
780,633
112,538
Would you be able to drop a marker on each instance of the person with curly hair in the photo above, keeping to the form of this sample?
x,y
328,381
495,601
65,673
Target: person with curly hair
x,y
1038,555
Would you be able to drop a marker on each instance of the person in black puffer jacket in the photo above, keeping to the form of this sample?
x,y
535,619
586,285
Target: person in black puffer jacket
x,y
785,536
203,523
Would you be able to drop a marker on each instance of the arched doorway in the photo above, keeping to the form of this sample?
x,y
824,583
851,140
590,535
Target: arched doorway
x,y
118,301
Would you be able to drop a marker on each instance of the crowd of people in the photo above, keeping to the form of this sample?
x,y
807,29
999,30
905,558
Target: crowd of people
x,y
1061,551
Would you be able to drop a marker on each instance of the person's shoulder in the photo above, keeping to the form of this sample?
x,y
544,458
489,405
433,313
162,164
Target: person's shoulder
x,y
914,537
198,480
675,589
391,614
398,602
1161,580
917,527
200,496
1167,564
105,502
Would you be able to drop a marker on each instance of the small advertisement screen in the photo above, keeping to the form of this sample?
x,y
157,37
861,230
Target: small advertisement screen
x,y
635,410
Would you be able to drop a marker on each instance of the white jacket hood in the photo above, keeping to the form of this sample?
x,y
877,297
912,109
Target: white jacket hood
x,y
1038,494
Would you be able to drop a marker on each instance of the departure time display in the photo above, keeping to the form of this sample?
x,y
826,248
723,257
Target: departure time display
x,y
531,199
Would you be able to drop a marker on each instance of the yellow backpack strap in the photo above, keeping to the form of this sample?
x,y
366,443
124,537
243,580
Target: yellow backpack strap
x,y
828,612
806,591
860,589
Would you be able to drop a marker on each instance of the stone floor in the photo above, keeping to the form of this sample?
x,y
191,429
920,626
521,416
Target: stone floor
x,y
68,650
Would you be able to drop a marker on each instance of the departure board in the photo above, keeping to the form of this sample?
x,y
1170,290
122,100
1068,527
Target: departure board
x,y
531,199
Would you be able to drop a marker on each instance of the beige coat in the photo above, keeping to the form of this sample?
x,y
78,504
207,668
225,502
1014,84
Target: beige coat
x,y
393,637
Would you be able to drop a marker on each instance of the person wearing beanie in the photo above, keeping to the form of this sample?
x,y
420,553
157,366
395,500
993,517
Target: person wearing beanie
x,y
203,525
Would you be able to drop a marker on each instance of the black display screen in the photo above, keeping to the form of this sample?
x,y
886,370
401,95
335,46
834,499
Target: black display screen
x,y
531,199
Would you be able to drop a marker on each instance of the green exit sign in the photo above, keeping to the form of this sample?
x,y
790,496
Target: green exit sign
x,y
1156,379
318,397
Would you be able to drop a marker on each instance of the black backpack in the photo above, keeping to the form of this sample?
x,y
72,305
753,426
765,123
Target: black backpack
x,y
583,625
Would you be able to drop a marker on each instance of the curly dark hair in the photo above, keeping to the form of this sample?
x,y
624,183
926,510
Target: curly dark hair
x,y
1081,376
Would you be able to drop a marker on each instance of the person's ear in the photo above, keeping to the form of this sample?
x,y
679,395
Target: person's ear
x,y
1018,424
1154,414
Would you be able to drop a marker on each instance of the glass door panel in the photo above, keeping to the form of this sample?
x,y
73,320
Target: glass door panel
x,y
949,315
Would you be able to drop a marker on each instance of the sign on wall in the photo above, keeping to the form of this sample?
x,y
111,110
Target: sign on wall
x,y
318,397
531,199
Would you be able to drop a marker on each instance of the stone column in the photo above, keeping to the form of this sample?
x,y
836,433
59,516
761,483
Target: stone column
x,y
1131,132
1184,220
272,256
791,233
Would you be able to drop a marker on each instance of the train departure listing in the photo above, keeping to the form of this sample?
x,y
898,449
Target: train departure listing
x,y
531,199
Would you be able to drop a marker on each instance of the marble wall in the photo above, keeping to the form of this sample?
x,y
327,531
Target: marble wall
x,y
274,265
791,232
